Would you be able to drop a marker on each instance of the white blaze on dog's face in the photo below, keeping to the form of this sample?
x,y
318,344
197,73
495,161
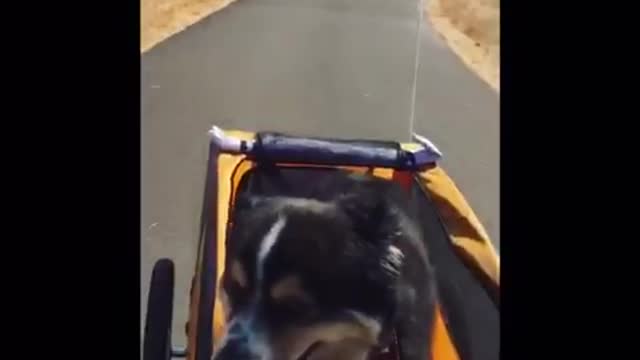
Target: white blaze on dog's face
x,y
307,280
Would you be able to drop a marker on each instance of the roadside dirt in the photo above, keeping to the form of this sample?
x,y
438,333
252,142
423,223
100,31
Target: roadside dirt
x,y
472,30
162,18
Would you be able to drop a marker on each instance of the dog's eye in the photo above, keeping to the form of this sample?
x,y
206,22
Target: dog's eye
x,y
296,307
236,286
238,274
289,288
238,299
302,305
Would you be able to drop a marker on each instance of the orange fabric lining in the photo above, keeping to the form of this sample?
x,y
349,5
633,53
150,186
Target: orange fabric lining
x,y
231,168
384,173
467,233
441,346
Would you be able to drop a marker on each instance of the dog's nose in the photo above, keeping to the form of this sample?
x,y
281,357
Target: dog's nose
x,y
238,349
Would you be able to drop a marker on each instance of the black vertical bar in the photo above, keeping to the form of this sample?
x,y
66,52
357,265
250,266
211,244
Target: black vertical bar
x,y
208,270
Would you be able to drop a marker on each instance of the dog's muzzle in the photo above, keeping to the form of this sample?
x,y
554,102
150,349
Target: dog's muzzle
x,y
240,343
237,350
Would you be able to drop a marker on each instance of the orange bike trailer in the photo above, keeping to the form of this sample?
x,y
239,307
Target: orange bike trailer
x,y
466,325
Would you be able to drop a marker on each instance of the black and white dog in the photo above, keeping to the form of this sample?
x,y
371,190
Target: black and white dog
x,y
330,277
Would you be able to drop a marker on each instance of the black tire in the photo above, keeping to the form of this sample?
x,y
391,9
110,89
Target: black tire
x,y
157,330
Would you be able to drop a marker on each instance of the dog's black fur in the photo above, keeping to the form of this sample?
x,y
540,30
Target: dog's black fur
x,y
339,248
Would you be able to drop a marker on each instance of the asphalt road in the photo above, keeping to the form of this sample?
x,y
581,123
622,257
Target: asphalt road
x,y
340,68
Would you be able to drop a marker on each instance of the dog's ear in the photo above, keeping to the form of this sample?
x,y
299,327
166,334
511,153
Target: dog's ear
x,y
245,202
243,205
367,211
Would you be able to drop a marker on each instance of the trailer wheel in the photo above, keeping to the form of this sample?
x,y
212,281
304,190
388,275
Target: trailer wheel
x,y
157,331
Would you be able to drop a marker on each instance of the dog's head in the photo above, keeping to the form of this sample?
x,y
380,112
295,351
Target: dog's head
x,y
307,279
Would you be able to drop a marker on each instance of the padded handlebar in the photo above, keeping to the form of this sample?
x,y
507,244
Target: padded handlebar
x,y
282,148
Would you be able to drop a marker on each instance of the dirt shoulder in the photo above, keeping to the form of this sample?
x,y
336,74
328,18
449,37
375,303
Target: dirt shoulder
x,y
163,18
472,29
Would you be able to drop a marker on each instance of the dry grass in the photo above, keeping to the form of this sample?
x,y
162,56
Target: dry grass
x,y
163,18
472,30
